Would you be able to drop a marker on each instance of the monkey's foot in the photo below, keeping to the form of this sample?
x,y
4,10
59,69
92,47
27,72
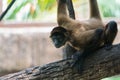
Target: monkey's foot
x,y
108,47
77,67
77,64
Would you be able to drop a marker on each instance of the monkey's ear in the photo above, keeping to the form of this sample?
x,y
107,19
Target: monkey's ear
x,y
58,29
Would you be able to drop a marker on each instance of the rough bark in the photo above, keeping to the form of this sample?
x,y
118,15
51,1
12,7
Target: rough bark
x,y
98,65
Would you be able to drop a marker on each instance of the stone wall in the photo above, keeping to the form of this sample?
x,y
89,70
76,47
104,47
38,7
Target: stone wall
x,y
26,49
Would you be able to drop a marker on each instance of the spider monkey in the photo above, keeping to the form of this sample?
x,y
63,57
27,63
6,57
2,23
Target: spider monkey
x,y
83,36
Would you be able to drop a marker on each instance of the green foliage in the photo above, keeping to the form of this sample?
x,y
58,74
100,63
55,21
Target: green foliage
x,y
15,9
8,1
39,9
36,8
109,8
18,5
45,4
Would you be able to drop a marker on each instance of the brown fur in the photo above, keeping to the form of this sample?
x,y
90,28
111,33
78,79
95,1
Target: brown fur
x,y
81,31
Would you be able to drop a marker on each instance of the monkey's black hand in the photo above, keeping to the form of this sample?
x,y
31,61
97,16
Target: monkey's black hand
x,y
78,62
108,46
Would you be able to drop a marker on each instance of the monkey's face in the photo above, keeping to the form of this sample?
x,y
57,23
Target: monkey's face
x,y
59,39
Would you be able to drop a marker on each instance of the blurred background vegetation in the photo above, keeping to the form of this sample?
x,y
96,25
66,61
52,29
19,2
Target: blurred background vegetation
x,y
34,10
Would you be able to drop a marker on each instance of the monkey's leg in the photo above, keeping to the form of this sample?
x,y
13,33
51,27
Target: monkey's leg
x,y
77,65
92,46
68,51
79,59
110,34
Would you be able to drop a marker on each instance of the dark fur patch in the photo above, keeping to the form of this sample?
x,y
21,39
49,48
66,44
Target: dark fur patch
x,y
58,30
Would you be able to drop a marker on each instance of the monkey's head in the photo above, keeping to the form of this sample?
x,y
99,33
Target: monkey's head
x,y
59,36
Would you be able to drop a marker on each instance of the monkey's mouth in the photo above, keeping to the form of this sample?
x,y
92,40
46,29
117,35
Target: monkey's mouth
x,y
58,46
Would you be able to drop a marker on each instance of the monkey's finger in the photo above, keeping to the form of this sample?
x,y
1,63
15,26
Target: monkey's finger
x,y
108,47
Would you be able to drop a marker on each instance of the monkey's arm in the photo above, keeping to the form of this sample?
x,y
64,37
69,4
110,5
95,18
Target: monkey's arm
x,y
61,12
69,50
94,10
62,17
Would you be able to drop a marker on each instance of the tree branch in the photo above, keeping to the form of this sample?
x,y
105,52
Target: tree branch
x,y
98,65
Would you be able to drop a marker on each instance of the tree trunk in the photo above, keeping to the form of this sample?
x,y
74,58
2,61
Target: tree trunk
x,y
98,65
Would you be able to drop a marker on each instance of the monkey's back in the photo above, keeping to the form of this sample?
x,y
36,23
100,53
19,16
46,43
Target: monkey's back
x,y
92,24
84,31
